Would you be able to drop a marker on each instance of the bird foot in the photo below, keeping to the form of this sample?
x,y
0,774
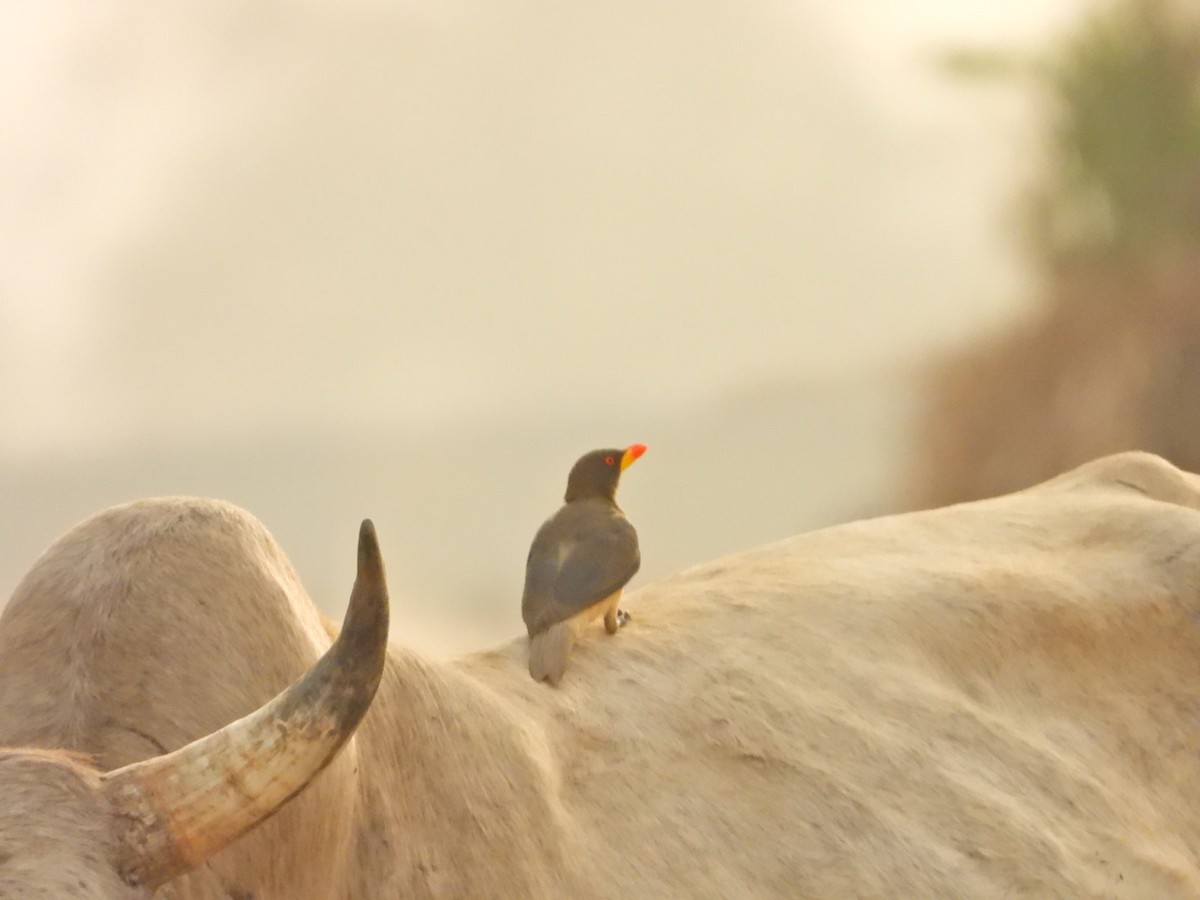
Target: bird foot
x,y
614,620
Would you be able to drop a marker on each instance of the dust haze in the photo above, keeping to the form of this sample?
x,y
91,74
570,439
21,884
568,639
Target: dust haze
x,y
408,261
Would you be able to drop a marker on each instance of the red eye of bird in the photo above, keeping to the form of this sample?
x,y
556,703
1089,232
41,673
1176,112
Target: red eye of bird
x,y
608,460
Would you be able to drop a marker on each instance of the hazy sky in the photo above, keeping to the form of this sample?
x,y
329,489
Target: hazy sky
x,y
223,218
408,260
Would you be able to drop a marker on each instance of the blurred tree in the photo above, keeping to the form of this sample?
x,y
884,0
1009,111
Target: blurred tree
x,y
1124,139
1112,361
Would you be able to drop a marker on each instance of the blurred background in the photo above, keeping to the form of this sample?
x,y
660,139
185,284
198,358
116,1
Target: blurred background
x,y
409,260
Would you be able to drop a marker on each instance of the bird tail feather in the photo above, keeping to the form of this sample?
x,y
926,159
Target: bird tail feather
x,y
548,652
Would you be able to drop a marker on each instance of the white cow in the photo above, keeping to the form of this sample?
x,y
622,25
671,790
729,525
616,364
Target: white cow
x,y
988,700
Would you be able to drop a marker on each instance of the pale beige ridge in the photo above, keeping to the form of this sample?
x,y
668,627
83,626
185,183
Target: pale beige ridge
x,y
994,699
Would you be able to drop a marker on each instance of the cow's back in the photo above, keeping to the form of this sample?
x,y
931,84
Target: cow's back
x,y
998,698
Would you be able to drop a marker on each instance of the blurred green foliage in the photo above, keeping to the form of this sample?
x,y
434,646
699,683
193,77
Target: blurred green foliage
x,y
1125,139
1122,105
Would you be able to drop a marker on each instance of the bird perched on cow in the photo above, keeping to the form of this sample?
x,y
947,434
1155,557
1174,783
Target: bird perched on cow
x,y
580,560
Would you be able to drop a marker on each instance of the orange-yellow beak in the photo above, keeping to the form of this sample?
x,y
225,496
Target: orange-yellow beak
x,y
632,452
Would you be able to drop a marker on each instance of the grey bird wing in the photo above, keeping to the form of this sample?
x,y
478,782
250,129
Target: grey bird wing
x,y
576,561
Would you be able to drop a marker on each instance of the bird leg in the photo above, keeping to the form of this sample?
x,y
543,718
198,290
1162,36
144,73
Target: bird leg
x,y
614,616
610,622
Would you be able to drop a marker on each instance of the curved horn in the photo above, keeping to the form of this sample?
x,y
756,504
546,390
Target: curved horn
x,y
180,808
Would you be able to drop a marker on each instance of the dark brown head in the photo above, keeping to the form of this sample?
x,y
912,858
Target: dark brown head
x,y
596,474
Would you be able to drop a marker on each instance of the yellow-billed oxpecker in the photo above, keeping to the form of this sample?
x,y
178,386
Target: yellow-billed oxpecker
x,y
581,558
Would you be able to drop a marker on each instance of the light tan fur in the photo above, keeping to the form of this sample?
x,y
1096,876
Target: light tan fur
x,y
549,649
153,624
54,829
994,699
